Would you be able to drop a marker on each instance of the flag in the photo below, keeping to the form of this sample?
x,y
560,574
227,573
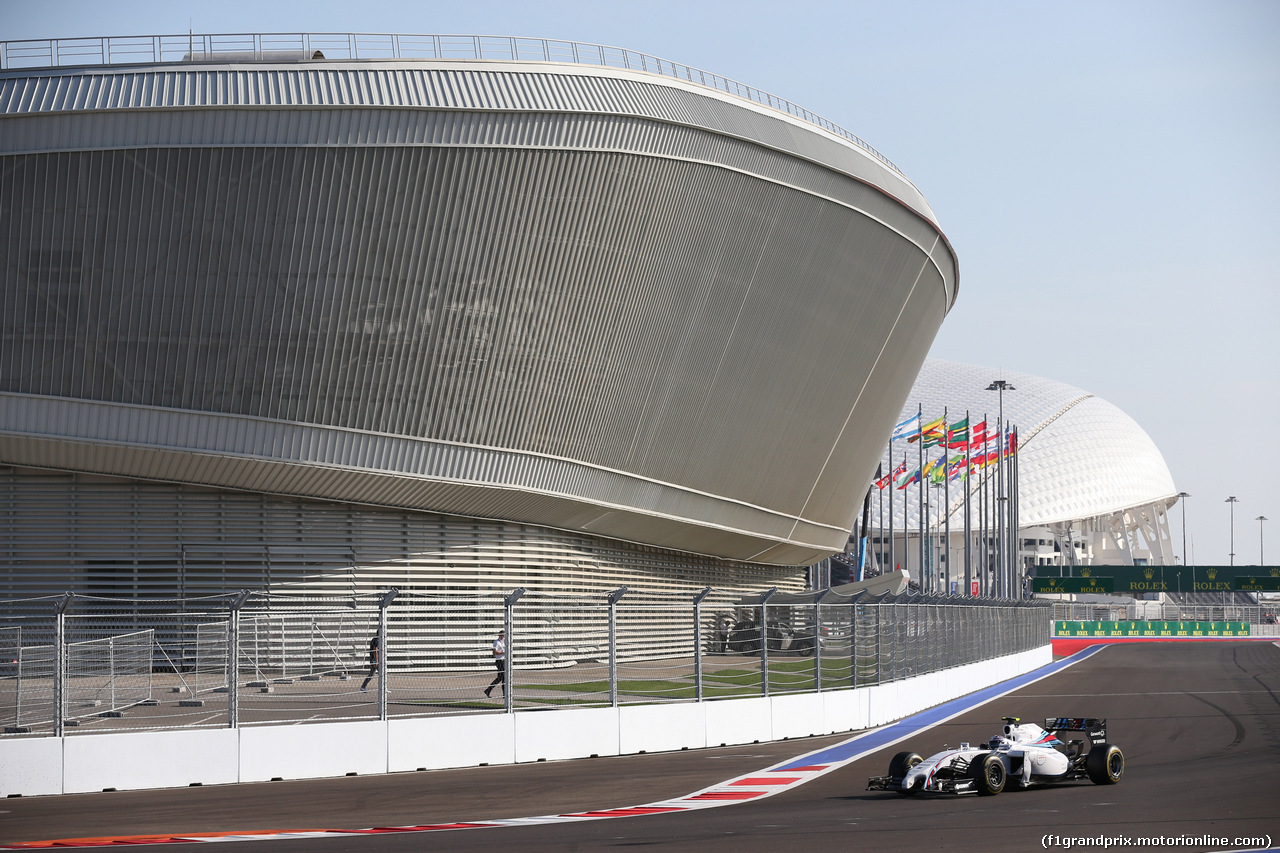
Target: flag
x,y
907,480
907,429
980,434
934,433
942,468
892,475
982,460
958,435
1013,444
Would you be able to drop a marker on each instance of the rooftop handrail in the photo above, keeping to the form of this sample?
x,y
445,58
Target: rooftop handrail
x,y
140,50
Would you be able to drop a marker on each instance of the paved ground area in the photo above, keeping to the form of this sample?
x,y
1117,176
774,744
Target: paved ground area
x,y
1199,724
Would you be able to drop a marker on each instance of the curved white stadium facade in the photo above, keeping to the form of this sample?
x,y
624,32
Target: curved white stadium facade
x,y
1093,487
464,321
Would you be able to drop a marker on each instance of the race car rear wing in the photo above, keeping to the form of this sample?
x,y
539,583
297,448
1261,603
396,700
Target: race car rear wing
x,y
1095,728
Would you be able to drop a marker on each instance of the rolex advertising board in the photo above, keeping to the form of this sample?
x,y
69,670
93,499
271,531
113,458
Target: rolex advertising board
x,y
1133,580
1096,585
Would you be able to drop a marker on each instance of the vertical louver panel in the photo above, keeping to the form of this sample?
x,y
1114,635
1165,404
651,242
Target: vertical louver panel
x,y
604,308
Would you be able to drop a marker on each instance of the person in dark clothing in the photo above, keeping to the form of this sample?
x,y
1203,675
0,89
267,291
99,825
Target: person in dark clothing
x,y
373,663
500,659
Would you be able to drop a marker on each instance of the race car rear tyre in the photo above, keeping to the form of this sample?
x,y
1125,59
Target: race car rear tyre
x,y
1105,764
988,774
898,767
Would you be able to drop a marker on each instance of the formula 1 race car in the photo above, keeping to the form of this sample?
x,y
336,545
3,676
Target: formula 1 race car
x,y
1031,754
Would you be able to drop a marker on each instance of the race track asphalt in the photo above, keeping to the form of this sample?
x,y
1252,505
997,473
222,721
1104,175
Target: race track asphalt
x,y
1199,724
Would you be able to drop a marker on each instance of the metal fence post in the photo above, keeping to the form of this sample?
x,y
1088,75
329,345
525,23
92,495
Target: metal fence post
x,y
111,668
383,604
17,696
764,640
508,669
855,610
60,664
817,638
697,643
613,644
876,608
233,659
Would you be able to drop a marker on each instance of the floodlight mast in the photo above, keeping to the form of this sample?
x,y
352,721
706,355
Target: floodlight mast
x,y
1003,581
1232,501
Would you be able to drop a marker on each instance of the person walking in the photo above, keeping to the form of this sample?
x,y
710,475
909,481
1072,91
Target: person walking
x,y
373,663
500,660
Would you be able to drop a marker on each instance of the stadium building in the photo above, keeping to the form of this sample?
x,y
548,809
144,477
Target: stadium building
x,y
348,312
1093,489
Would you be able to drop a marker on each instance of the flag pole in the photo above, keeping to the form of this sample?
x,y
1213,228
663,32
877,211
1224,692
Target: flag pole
x,y
893,487
985,523
927,550
880,512
982,516
1002,534
946,504
880,515
999,510
1017,516
968,530
919,500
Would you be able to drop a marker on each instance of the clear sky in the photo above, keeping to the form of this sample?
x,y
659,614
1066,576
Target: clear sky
x,y
1108,173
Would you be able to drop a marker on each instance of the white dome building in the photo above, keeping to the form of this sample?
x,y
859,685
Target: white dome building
x,y
1093,488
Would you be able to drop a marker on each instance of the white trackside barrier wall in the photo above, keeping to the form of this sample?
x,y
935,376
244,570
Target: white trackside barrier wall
x,y
168,759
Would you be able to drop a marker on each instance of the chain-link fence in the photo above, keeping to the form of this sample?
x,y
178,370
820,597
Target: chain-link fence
x,y
27,669
79,663
107,675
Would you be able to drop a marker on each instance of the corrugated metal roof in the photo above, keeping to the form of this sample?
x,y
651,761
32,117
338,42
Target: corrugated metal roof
x,y
519,87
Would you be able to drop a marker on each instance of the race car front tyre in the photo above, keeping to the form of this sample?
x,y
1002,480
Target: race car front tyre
x,y
1105,764
988,774
898,767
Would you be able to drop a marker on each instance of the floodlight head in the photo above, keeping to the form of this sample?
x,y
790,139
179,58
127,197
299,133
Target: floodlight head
x,y
1184,494
1231,500
1000,385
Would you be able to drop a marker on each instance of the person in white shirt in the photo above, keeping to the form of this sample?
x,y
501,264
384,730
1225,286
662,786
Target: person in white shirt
x,y
500,659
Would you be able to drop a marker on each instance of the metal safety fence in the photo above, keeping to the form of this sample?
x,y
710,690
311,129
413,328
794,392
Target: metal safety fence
x,y
81,663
